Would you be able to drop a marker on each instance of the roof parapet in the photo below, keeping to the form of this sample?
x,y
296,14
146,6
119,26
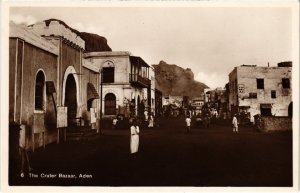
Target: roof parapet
x,y
56,29
22,32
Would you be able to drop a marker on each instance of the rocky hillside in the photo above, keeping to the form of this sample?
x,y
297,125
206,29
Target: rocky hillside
x,y
174,80
93,42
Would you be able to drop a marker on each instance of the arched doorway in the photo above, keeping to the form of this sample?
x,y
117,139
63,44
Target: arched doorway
x,y
110,104
71,99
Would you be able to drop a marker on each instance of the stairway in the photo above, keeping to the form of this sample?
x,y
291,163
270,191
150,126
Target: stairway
x,y
81,133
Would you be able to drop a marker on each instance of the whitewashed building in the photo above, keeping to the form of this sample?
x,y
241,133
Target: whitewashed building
x,y
261,90
124,81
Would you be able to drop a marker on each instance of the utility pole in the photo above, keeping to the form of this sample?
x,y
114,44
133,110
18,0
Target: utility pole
x,y
101,85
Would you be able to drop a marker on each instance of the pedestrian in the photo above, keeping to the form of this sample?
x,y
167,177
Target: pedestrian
x,y
146,118
235,124
188,124
134,138
114,123
25,164
151,121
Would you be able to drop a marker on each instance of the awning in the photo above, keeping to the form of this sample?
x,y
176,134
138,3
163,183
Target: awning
x,y
92,92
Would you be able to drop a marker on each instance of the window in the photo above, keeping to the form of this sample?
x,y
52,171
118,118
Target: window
x,y
285,83
273,94
260,83
252,95
108,74
39,91
241,88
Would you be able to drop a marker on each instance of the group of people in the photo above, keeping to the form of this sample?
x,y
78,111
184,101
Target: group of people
x,y
135,130
134,137
235,123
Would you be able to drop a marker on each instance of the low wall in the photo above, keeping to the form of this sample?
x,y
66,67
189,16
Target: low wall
x,y
274,123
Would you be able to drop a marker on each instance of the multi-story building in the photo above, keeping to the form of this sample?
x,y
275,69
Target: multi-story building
x,y
197,104
173,100
125,82
261,90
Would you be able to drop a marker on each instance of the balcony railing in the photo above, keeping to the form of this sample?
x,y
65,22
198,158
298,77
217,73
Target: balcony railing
x,y
138,80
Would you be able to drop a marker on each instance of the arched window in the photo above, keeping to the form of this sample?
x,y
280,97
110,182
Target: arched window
x,y
110,104
39,91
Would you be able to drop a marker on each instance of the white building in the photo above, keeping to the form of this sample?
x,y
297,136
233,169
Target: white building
x,y
125,79
261,90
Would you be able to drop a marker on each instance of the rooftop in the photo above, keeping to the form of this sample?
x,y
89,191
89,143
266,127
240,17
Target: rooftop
x,y
22,32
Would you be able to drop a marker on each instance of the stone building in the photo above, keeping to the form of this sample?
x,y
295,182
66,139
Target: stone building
x,y
50,86
32,64
197,104
261,90
125,81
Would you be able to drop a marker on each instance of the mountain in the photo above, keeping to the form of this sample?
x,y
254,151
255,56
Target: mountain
x,y
93,42
174,80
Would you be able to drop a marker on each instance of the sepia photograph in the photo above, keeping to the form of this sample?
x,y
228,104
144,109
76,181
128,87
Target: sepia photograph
x,y
174,94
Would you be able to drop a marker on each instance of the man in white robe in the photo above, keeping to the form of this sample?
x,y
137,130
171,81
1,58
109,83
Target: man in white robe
x,y
134,138
235,124
151,121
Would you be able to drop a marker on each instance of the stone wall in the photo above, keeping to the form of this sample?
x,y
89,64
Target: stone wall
x,y
274,123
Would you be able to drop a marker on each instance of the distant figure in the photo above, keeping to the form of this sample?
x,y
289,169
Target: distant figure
x,y
23,152
207,120
114,123
188,124
235,124
134,138
151,121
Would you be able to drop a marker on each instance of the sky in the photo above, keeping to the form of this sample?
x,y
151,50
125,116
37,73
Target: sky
x,y
209,40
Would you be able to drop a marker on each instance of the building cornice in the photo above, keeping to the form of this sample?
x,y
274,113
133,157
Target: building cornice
x,y
22,32
56,29
106,54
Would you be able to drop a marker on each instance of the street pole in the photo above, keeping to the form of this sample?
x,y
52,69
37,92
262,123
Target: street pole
x,y
101,85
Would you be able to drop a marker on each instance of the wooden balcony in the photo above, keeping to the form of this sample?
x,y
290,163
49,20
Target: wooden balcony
x,y
139,81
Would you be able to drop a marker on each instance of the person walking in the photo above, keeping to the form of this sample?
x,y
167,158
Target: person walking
x,y
235,124
151,121
134,138
188,123
115,123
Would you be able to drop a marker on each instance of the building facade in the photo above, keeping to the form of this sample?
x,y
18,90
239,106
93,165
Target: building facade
x,y
197,104
125,83
32,64
52,88
261,90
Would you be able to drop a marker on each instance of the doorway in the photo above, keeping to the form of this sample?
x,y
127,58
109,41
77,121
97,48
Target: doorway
x,y
71,99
